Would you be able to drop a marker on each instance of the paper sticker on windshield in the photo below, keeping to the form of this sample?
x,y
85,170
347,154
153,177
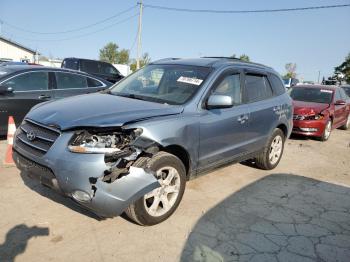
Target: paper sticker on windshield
x,y
190,80
326,91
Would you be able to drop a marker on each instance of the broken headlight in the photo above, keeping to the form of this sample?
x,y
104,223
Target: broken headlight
x,y
102,143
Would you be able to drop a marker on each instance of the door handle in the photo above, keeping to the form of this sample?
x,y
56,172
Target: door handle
x,y
44,97
242,118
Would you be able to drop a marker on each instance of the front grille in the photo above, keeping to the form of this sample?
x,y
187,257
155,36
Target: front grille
x,y
35,138
298,117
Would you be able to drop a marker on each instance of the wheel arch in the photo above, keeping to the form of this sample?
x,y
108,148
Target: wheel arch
x,y
284,129
182,154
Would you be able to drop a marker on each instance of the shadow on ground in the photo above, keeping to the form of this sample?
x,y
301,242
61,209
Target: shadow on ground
x,y
17,239
54,196
282,217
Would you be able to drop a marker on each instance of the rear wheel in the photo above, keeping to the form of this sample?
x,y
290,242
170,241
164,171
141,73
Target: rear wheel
x,y
346,126
161,203
272,153
327,131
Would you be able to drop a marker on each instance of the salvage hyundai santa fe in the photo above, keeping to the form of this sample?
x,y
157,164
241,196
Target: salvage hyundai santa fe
x,y
132,148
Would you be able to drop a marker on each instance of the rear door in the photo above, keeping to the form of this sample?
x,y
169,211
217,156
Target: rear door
x,y
265,108
29,89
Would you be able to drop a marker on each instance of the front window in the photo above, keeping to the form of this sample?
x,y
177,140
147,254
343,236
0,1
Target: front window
x,y
28,81
314,95
171,84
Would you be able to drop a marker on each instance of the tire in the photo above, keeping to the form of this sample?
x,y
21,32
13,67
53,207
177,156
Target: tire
x,y
346,126
327,131
155,207
264,160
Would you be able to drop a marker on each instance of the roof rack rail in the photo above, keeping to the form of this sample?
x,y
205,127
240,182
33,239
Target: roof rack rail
x,y
165,59
222,57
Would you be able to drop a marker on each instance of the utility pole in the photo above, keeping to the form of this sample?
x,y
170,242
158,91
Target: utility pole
x,y
318,79
139,36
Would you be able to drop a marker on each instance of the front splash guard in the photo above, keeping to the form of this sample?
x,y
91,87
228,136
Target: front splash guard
x,y
111,199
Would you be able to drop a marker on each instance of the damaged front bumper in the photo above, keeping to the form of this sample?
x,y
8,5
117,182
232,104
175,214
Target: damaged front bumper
x,y
80,176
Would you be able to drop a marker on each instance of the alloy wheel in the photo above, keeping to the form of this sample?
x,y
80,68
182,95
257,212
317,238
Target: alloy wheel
x,y
159,201
328,129
275,149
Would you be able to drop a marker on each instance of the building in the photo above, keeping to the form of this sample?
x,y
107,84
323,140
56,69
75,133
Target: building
x,y
13,51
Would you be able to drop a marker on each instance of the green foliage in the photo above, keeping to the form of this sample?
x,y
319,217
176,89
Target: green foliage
x,y
291,69
342,72
110,53
244,57
145,59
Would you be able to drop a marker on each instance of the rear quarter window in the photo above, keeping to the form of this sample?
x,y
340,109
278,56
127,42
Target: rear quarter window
x,y
277,85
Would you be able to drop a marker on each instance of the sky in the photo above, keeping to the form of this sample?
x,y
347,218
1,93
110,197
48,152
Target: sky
x,y
316,40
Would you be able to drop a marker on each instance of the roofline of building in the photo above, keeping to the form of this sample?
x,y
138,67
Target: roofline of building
x,y
18,45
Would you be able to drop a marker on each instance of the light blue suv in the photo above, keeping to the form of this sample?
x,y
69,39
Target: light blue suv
x,y
133,147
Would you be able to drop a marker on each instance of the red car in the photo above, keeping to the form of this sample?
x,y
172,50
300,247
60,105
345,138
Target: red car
x,y
319,109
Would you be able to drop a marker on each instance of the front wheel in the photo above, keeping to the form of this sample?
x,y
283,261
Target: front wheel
x,y
161,203
271,155
327,131
346,126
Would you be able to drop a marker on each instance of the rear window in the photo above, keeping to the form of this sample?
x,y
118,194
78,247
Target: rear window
x,y
314,95
69,81
257,88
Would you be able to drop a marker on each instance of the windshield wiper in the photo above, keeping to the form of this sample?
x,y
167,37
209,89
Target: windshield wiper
x,y
133,96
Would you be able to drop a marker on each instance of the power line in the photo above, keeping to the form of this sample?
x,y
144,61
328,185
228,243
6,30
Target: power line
x,y
82,35
244,11
72,30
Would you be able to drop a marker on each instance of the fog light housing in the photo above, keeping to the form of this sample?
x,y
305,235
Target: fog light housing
x,y
81,196
308,129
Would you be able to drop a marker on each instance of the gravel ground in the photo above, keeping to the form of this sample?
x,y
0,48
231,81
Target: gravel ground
x,y
299,211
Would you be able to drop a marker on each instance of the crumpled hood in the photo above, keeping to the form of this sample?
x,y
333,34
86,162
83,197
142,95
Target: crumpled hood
x,y
98,110
308,108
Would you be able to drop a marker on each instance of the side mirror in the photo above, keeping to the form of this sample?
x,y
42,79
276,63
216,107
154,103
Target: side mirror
x,y
219,101
5,90
340,103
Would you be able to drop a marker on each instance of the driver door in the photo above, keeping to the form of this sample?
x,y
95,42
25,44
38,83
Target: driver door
x,y
28,89
222,130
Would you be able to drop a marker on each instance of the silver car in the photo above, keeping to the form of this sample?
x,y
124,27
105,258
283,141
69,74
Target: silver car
x,y
133,147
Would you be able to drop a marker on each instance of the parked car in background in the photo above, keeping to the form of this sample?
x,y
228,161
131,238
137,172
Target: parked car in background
x,y
98,68
10,63
133,147
23,86
346,88
290,82
318,109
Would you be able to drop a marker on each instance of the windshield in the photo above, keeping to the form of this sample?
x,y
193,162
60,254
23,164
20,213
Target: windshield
x,y
314,95
171,84
346,89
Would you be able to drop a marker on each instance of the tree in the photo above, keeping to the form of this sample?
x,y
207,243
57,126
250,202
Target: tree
x,y
244,58
110,53
342,72
291,69
145,59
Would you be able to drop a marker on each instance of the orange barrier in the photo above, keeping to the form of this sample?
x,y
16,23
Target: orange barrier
x,y
11,129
